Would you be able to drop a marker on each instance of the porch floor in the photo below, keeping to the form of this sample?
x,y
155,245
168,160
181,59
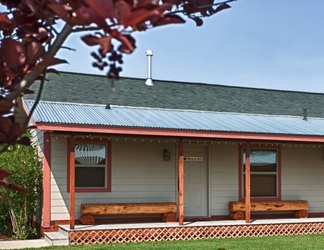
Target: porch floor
x,y
192,224
162,231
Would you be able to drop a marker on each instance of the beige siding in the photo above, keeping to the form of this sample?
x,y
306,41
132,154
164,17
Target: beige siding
x,y
303,175
60,196
139,175
224,177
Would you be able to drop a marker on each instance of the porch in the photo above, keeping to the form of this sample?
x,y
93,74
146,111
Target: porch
x,y
161,231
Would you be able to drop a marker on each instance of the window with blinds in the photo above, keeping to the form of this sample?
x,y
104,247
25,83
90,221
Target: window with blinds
x,y
264,173
90,165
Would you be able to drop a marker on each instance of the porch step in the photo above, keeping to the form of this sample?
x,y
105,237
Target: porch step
x,y
56,239
63,231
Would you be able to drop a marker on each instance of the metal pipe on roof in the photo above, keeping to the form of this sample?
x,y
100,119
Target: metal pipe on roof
x,y
305,115
149,81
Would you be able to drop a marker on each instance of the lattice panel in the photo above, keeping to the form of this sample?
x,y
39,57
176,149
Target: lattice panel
x,y
190,233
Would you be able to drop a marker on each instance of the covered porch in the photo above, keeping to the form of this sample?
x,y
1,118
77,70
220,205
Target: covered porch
x,y
136,172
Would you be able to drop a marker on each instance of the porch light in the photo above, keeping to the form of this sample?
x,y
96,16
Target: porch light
x,y
166,155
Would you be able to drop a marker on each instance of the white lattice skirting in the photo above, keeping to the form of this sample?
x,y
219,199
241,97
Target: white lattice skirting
x,y
190,233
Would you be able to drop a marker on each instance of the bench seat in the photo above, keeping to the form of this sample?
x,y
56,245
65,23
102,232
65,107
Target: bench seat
x,y
299,207
167,209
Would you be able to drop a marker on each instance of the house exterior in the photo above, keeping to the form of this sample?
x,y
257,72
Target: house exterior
x,y
124,142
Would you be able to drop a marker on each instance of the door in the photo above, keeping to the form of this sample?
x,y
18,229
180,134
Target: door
x,y
195,181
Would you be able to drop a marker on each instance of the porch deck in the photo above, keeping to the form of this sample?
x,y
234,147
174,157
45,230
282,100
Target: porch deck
x,y
139,232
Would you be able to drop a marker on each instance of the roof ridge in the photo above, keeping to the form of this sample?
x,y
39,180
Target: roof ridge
x,y
194,83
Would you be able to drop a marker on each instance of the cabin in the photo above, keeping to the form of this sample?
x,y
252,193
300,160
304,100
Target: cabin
x,y
126,162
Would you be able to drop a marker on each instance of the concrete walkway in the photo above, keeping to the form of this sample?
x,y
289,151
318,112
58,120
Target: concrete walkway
x,y
18,244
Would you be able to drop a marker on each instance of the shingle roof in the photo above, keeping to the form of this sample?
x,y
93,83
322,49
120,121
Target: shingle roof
x,y
95,89
154,118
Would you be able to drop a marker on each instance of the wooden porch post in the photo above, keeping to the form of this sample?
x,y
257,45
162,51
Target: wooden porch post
x,y
47,181
247,184
181,184
72,182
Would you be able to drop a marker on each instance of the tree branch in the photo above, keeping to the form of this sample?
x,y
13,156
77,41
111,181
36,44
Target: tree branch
x,y
68,48
39,94
200,7
32,76
85,29
215,4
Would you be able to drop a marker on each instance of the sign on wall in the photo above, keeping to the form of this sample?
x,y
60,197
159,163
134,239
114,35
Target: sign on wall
x,y
193,158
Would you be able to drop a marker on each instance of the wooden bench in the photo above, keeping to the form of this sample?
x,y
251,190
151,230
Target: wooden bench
x,y
167,209
299,208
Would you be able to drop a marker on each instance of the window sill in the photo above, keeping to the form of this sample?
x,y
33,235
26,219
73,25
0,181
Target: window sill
x,y
92,190
262,199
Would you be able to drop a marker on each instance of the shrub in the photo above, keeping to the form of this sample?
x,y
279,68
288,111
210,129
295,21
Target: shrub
x,y
18,210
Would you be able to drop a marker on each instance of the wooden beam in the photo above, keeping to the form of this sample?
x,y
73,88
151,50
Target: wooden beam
x,y
181,183
72,181
47,181
181,133
129,208
286,205
247,184
299,207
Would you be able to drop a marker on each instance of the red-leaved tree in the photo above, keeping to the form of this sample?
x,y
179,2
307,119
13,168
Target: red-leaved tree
x,y
30,39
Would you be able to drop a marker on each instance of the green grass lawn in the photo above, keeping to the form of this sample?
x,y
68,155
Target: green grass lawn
x,y
313,242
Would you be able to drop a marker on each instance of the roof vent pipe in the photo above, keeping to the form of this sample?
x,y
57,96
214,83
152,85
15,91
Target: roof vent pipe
x,y
149,81
305,115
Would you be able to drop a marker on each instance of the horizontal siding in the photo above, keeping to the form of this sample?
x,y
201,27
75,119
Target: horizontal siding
x,y
139,175
59,195
223,180
303,175
146,188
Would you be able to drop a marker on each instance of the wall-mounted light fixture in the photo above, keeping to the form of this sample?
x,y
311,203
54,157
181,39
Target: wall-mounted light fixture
x,y
166,155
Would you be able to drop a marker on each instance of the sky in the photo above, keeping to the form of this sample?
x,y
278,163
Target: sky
x,y
271,44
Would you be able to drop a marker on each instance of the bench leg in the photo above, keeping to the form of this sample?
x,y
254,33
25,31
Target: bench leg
x,y
303,214
237,215
169,217
87,220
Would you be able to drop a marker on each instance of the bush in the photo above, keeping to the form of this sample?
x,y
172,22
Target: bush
x,y
18,210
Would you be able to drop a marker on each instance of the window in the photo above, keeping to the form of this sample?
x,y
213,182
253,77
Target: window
x,y
92,166
265,173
